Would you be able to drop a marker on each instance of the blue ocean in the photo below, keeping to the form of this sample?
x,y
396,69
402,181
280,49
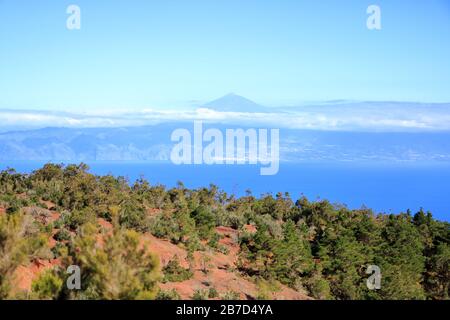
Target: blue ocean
x,y
386,188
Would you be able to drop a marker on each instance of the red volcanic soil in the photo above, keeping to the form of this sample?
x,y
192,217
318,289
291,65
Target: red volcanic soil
x,y
211,269
105,224
166,250
54,216
250,228
222,274
24,275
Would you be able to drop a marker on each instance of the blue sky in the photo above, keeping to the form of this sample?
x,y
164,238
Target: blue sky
x,y
138,54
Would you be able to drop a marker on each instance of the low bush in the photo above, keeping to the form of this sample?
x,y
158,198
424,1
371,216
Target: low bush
x,y
174,272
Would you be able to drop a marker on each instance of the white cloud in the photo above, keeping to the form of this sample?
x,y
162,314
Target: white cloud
x,y
371,117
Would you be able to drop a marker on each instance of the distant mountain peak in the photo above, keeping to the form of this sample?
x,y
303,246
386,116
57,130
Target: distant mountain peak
x,y
232,102
232,94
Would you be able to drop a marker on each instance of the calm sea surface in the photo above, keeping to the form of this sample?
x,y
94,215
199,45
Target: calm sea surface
x,y
382,187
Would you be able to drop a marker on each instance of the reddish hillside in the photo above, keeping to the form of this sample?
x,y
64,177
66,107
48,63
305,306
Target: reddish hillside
x,y
211,269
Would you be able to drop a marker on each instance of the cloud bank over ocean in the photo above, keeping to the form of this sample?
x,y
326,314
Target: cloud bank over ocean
x,y
333,131
335,116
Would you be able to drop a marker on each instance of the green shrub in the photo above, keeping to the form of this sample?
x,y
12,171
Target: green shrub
x,y
176,226
200,295
319,288
223,249
20,243
132,215
266,288
76,218
214,240
59,249
168,295
205,221
47,286
193,244
231,295
63,235
122,268
174,272
212,293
